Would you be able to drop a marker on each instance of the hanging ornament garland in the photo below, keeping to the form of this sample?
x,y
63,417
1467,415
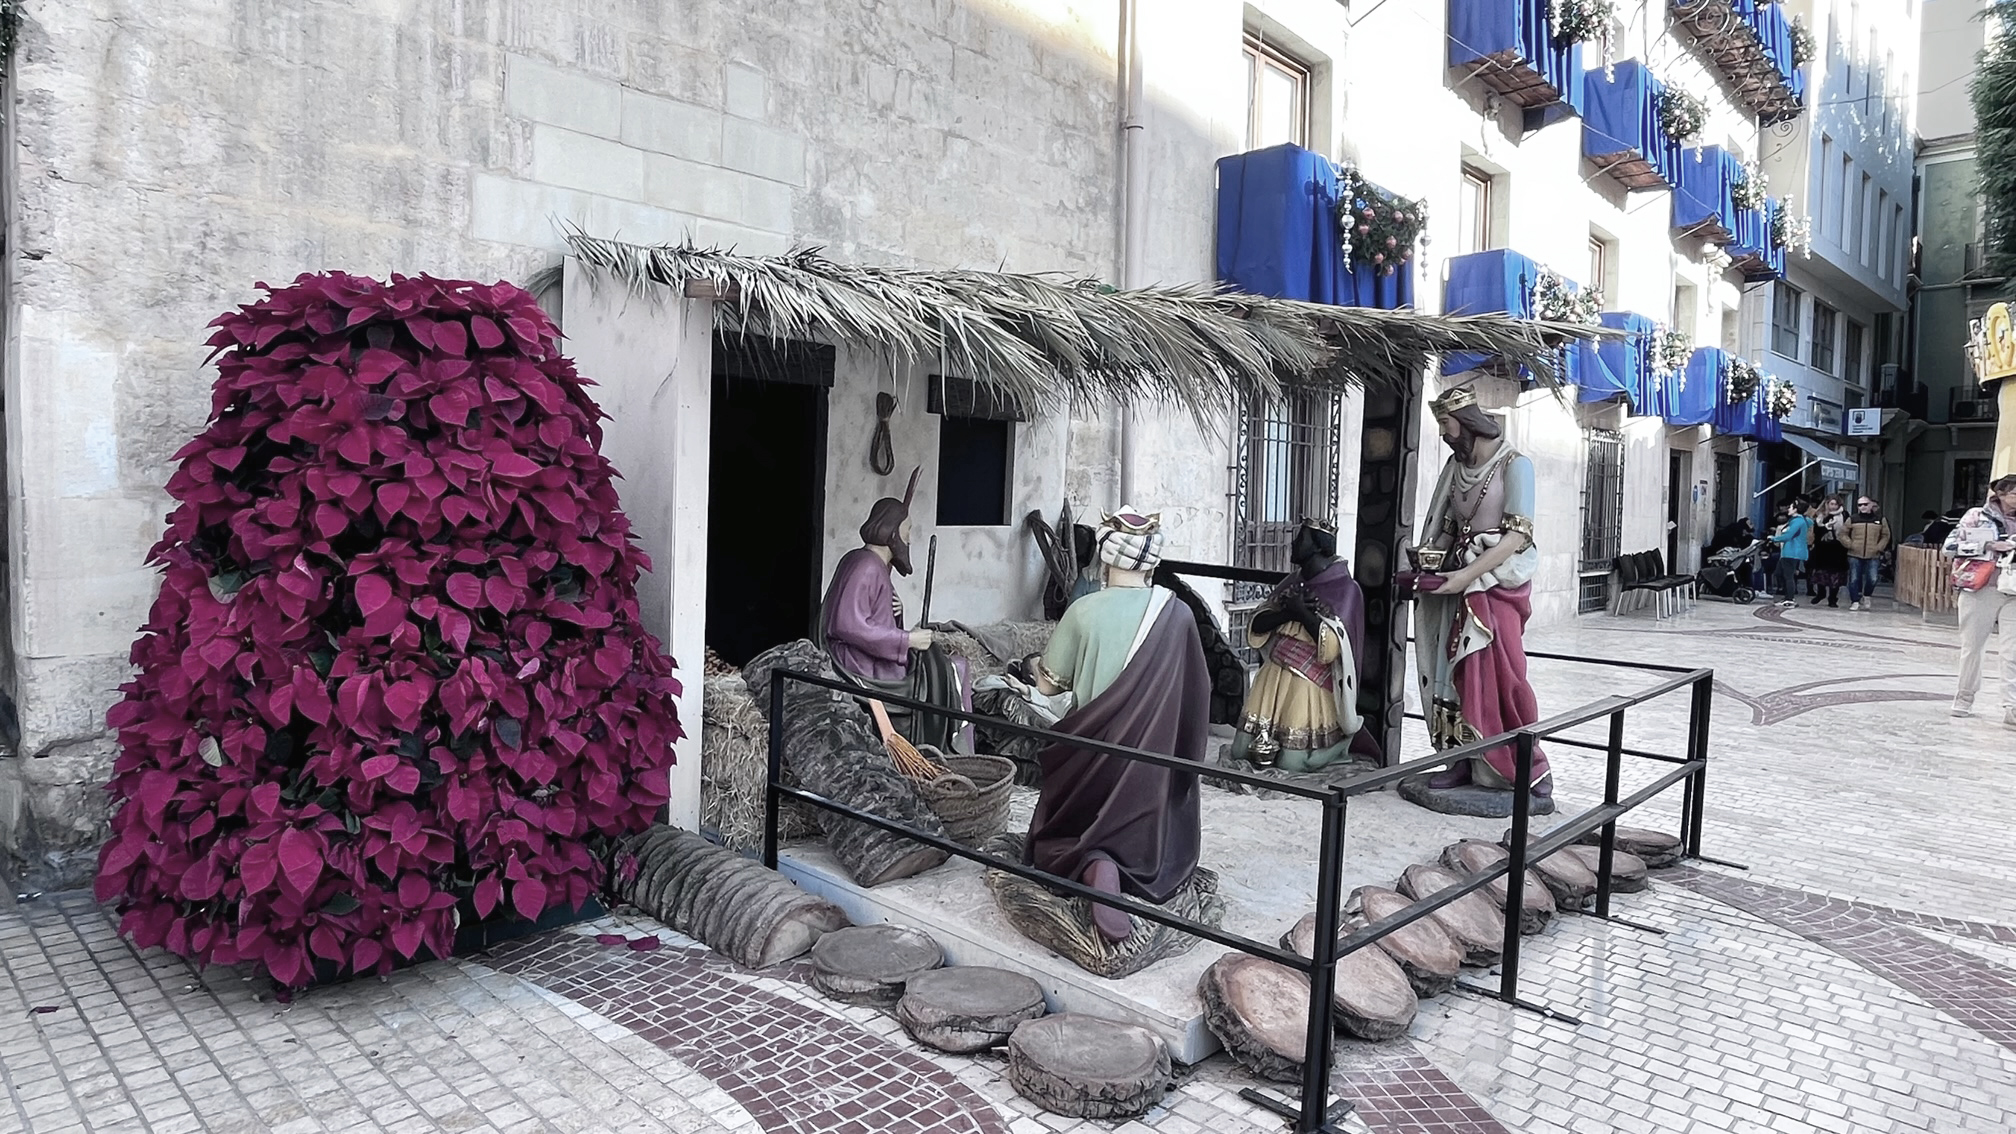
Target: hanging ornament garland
x,y
1792,233
1586,21
1670,350
1682,115
1752,187
1804,46
1744,377
1379,230
1555,301
1780,399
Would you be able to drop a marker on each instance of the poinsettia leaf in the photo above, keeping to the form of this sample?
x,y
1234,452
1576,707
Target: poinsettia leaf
x,y
487,893
300,858
528,897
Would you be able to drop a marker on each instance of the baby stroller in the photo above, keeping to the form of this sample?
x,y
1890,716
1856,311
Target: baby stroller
x,y
1727,573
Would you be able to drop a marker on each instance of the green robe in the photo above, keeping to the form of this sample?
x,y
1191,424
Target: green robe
x,y
1092,643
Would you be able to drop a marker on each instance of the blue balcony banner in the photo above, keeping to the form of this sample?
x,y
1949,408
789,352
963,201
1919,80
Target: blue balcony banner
x,y
1626,363
1752,245
1705,196
1693,394
1621,115
1277,225
1483,29
1277,233
1500,282
1774,30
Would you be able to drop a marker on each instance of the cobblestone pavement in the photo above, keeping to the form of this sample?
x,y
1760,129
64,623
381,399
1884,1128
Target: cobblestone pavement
x,y
1859,976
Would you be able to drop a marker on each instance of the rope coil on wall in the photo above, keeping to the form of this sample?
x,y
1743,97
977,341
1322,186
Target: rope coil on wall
x,y
881,452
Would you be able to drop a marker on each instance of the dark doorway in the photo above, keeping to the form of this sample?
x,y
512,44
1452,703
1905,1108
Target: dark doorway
x,y
1679,489
766,495
1727,509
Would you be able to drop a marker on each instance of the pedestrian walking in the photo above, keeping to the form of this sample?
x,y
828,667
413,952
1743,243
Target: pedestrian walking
x,y
1984,537
1792,540
1827,571
1866,536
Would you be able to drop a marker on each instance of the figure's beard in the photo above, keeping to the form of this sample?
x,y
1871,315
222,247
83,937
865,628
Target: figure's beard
x,y
899,556
1464,444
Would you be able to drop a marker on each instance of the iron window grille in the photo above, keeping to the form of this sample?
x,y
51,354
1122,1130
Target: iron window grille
x,y
1602,516
1287,466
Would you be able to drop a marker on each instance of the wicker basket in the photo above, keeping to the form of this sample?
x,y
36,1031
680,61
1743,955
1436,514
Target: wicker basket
x,y
972,796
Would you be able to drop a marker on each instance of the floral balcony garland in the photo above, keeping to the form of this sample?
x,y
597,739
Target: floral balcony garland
x,y
1804,46
1682,114
1744,377
1586,21
1752,188
1793,234
1670,349
1555,302
1780,399
1378,229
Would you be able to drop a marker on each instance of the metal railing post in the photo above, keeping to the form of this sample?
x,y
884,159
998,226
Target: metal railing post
x,y
1697,798
1515,875
776,768
1614,768
1315,1115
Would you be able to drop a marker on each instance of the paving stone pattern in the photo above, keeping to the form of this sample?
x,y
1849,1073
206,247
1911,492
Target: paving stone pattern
x,y
1860,976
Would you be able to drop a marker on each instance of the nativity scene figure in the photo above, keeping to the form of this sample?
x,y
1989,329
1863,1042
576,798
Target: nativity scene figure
x,y
860,626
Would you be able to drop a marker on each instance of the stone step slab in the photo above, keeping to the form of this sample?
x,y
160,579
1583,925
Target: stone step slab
x,y
1476,924
1657,848
1628,873
1474,856
1429,956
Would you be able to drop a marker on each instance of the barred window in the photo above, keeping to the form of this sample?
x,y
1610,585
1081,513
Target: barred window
x,y
1287,467
1602,516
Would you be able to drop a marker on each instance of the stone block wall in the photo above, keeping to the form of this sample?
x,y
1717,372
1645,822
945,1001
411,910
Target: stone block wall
x,y
165,157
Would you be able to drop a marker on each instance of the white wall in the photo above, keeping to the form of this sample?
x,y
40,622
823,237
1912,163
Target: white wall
x,y
1951,34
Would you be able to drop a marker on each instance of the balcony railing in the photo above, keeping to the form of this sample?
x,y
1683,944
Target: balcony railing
x,y
1621,132
1971,402
1749,42
1278,233
1509,46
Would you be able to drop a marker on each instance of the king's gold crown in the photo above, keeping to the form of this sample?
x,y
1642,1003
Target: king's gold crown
x,y
1462,397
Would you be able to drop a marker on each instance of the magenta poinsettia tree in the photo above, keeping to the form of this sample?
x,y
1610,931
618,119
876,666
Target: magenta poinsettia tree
x,y
395,670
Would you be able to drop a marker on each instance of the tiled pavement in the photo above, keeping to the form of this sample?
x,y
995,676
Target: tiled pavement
x,y
1861,976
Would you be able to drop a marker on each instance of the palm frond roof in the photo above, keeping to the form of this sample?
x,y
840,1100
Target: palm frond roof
x,y
1053,342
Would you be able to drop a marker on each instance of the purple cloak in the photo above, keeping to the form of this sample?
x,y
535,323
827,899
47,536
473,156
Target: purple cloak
x,y
859,618
1142,817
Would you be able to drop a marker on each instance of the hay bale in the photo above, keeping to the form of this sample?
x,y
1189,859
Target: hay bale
x,y
1020,639
734,759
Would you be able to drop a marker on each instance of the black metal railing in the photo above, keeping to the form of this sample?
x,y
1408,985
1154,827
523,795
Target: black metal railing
x,y
1312,1113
